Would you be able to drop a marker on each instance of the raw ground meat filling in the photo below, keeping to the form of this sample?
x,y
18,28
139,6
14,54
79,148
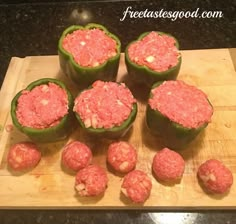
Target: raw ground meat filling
x,y
24,155
137,186
122,156
181,103
91,181
76,155
168,165
105,105
158,52
42,107
91,47
215,176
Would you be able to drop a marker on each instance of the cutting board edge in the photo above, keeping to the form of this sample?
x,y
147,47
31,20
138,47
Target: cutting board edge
x,y
16,65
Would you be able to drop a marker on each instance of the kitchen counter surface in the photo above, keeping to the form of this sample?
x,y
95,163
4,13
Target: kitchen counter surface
x,y
34,27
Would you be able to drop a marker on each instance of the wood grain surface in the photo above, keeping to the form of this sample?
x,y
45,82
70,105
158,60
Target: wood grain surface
x,y
50,186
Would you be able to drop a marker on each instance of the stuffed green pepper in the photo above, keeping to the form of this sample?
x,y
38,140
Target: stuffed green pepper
x,y
106,109
44,110
89,53
178,112
153,57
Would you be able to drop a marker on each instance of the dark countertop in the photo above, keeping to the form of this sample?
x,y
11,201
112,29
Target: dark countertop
x,y
115,217
33,28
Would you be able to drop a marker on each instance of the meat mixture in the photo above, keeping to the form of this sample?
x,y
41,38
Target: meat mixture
x,y
90,48
105,105
168,165
91,181
23,156
76,155
136,186
42,107
122,156
215,176
181,103
157,52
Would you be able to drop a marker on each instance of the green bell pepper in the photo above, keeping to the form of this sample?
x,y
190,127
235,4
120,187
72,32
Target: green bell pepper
x,y
51,134
143,74
174,135
114,132
85,76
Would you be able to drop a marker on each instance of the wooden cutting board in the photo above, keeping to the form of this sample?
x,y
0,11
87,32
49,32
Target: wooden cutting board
x,y
49,186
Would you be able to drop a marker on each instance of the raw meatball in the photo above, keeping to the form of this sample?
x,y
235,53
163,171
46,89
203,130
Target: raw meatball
x,y
91,181
168,165
137,186
215,176
24,155
76,156
122,156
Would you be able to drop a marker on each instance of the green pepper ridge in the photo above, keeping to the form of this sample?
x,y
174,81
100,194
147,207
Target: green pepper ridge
x,y
84,76
143,74
51,134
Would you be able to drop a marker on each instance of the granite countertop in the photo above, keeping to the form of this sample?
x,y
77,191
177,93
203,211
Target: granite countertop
x,y
33,28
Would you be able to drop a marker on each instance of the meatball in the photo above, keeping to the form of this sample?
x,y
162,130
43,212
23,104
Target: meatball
x,y
122,156
136,186
23,156
168,165
215,176
76,155
91,181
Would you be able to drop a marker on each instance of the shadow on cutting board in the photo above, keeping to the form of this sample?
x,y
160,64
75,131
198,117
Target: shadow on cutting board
x,y
155,142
